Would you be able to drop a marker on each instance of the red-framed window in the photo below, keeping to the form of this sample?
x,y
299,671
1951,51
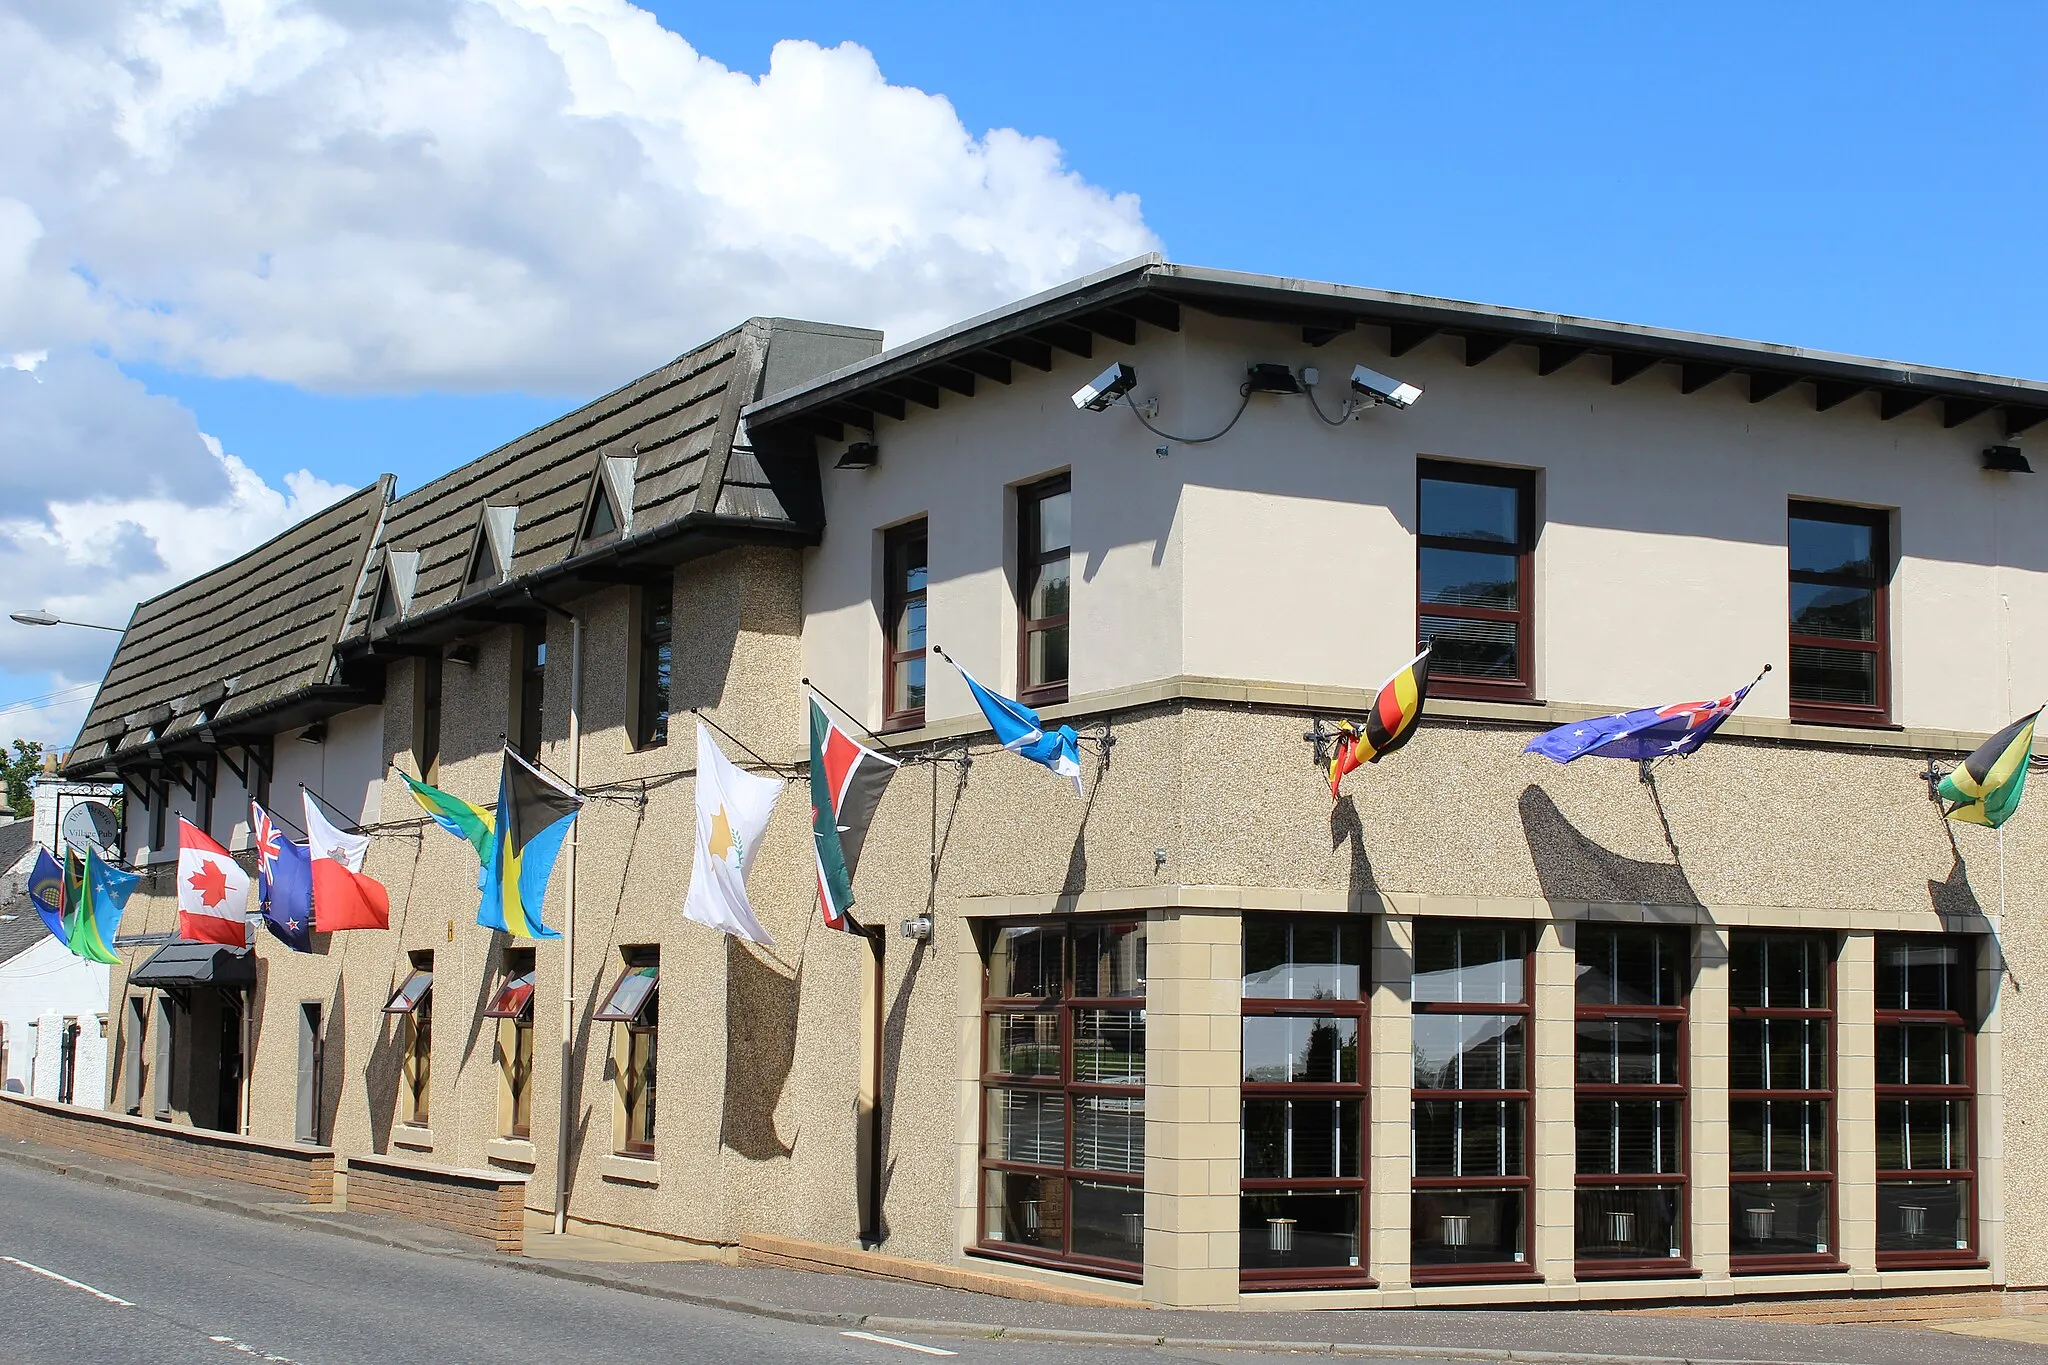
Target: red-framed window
x,y
1471,1107
1045,549
1781,1102
905,568
1631,1100
1063,1095
1305,1102
1475,596
512,1008
1926,1084
1840,566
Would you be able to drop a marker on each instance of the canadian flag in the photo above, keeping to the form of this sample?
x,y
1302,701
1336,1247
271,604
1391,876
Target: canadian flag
x,y
213,891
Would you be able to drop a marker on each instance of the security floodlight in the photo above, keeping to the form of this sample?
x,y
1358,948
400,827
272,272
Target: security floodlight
x,y
2005,459
1380,388
1267,378
1103,390
859,455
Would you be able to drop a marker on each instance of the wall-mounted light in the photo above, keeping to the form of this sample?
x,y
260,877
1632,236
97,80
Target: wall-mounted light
x,y
917,928
1103,390
465,654
2007,460
316,733
859,455
1379,388
1267,378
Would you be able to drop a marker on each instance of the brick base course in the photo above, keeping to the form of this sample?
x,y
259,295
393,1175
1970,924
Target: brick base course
x,y
490,1205
294,1171
788,1253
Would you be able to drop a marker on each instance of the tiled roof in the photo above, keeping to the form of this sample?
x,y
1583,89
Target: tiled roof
x,y
21,928
233,641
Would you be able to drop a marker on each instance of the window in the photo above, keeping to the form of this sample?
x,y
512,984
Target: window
x,y
1840,562
159,794
904,557
1044,552
512,1007
1302,1206
1475,533
1063,1095
657,632
1631,1083
414,999
3,1056
426,724
529,688
1781,1101
132,1039
164,1096
633,1009
1925,1076
1470,1117
306,1127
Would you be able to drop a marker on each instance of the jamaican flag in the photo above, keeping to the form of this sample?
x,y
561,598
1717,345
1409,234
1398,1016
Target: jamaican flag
x,y
463,819
534,814
1984,789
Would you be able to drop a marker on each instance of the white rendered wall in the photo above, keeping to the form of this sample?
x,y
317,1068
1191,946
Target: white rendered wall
x,y
48,983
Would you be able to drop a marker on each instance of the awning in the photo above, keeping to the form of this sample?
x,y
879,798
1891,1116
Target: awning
x,y
197,964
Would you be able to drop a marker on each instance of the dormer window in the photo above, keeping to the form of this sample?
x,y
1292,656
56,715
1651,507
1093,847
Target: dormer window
x,y
608,507
483,566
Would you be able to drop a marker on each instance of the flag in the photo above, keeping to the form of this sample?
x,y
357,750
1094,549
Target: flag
x,y
1985,787
847,782
46,894
213,891
460,818
343,898
284,882
1388,724
1018,730
1652,732
534,812
732,810
95,894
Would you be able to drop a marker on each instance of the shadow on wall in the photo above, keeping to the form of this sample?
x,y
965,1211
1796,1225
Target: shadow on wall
x,y
380,1080
1347,828
334,1061
1571,867
893,1026
760,1029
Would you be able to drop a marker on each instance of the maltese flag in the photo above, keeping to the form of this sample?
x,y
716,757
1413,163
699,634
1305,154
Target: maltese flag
x,y
213,891
343,898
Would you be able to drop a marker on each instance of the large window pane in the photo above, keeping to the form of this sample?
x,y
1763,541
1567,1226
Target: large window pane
x,y
1468,1052
1109,961
1837,612
1921,1054
1109,1221
1629,1137
1026,961
1465,647
1470,578
1628,1051
1479,1138
1468,511
1048,655
1055,522
1049,591
1923,1135
1924,1215
1024,1044
1027,1210
1295,959
1284,1049
1844,677
1832,547
1109,1133
1027,1126
1286,1230
1109,1047
1779,1219
1637,1222
1289,1139
1922,975
1630,967
1469,964
1466,1227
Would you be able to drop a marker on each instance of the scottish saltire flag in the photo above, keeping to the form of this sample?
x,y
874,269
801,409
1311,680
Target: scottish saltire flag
x,y
46,894
534,813
95,894
1652,732
284,882
1985,788
847,782
1018,730
463,819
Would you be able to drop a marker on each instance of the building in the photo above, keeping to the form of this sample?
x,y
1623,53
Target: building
x,y
53,1004
1484,1030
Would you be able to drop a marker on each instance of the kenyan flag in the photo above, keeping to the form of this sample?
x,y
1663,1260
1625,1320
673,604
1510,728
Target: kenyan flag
x,y
847,782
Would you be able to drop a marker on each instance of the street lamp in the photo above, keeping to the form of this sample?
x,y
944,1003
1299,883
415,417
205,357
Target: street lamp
x,y
50,618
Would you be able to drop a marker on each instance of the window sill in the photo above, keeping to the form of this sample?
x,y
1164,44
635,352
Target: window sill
x,y
1108,1270
512,1151
1823,1263
1635,1270
413,1136
631,1170
1497,1273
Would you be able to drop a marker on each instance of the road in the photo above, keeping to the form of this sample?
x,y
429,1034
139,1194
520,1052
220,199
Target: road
x,y
91,1275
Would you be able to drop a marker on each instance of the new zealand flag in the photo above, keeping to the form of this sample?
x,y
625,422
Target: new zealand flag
x,y
284,883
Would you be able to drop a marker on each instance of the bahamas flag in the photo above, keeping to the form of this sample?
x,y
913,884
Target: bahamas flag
x,y
46,894
459,817
94,897
1985,788
534,812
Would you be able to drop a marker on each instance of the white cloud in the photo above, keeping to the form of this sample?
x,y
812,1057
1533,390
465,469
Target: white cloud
x,y
478,193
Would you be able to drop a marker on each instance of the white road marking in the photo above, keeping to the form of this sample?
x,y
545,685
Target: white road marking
x,y
249,1350
893,1341
66,1279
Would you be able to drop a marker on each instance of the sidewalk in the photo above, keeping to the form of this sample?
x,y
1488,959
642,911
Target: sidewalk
x,y
842,1301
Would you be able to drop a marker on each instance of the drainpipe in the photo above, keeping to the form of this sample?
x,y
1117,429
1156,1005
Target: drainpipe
x,y
564,1128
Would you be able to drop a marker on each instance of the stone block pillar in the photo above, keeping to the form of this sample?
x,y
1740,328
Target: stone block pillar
x,y
1554,1160
1856,1121
1707,1071
1393,1074
1193,987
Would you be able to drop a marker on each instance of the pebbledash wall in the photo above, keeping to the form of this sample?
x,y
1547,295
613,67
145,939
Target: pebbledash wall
x,y
1225,595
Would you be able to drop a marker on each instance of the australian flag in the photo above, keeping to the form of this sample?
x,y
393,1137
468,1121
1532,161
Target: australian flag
x,y
284,882
1652,732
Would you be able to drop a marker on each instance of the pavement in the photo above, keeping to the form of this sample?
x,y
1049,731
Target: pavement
x,y
677,1284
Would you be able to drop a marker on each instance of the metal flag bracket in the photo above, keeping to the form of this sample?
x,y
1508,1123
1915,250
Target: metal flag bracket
x,y
1932,776
1323,737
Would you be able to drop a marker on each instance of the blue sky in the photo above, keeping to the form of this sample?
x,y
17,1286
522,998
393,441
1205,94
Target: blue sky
x,y
1854,177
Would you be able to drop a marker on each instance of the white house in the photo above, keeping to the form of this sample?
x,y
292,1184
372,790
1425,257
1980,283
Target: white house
x,y
53,1005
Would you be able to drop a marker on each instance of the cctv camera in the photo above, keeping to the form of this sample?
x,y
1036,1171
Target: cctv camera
x,y
1112,384
1380,388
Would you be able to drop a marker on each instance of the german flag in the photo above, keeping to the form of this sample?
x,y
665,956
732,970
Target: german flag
x,y
1395,708
1985,787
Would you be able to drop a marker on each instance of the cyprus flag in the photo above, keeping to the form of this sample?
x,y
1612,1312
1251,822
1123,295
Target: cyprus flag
x,y
732,810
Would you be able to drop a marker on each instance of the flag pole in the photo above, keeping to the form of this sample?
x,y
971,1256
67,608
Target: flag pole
x,y
846,713
780,771
346,818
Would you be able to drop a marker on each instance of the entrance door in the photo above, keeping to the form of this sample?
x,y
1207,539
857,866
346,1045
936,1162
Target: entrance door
x,y
230,1092
67,1061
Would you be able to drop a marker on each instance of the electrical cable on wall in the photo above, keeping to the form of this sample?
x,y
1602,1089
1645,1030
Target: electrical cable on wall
x,y
1244,389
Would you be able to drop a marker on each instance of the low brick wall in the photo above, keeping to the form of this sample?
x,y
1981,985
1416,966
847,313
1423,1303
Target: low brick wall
x,y
788,1253
486,1204
293,1170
